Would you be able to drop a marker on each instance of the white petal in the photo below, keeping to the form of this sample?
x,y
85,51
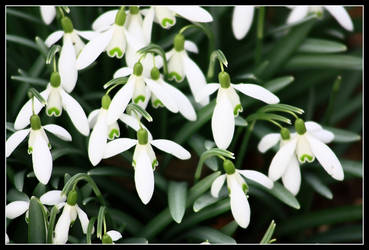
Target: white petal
x,y
297,14
48,13
292,177
222,123
104,20
14,140
312,126
92,117
52,197
6,239
24,115
281,159
192,13
133,123
257,177
67,65
93,49
323,135
171,148
58,131
88,35
268,141
97,142
62,227
118,146
326,158
303,150
162,95
42,160
342,17
242,20
76,113
217,185
147,25
82,216
239,205
122,72
144,177
54,37
114,235
191,46
195,78
257,92
16,208
207,90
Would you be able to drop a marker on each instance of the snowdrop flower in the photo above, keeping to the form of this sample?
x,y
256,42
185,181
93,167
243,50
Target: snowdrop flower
x,y
38,146
303,146
241,20
48,13
112,40
228,105
6,239
144,159
237,189
181,65
68,216
72,46
57,99
111,236
338,12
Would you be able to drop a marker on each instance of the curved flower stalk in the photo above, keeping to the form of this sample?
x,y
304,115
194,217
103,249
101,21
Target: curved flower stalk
x,y
309,142
237,189
110,236
68,216
241,20
228,105
180,65
72,46
38,146
48,13
112,39
57,99
338,12
144,159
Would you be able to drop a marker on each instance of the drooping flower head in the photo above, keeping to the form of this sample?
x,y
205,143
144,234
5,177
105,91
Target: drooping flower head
x,y
48,13
241,20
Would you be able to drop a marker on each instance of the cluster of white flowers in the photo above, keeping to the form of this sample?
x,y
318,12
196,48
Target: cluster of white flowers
x,y
121,32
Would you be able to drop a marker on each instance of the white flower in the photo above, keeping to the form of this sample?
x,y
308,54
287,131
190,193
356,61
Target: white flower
x,y
241,20
228,105
72,46
38,146
111,236
48,13
144,159
338,12
68,216
237,188
181,65
57,99
6,239
303,146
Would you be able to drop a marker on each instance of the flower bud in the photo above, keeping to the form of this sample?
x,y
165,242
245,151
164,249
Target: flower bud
x,y
179,42
155,73
72,198
142,136
55,79
229,167
107,239
105,101
134,9
35,122
224,79
300,126
137,69
120,18
285,134
67,25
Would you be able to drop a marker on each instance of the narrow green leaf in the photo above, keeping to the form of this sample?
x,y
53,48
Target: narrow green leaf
x,y
342,135
135,240
278,83
39,97
177,193
210,234
268,234
197,143
89,229
109,171
201,187
343,234
15,195
19,180
267,117
313,45
10,126
21,41
204,201
230,228
31,80
42,46
100,222
25,16
50,228
36,224
239,121
57,153
354,168
39,190
281,193
318,186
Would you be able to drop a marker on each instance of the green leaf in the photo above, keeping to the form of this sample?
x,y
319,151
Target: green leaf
x,y
36,224
201,187
36,94
210,234
204,201
342,135
135,240
42,46
30,80
239,121
267,117
25,16
57,153
19,180
109,171
230,228
354,168
281,193
50,227
267,238
100,222
317,61
15,195
278,83
22,41
39,190
197,143
177,193
318,186
313,45
346,233
89,229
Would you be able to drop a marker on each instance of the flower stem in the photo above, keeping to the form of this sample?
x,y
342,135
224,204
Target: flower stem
x,y
244,144
259,35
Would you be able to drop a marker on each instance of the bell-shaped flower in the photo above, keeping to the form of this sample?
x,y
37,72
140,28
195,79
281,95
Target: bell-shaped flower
x,y
228,105
309,142
112,39
72,46
180,65
144,159
241,20
70,212
110,236
38,146
338,12
48,13
237,189
57,99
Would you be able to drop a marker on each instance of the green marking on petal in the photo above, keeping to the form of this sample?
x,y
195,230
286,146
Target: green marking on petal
x,y
157,103
237,109
117,51
133,163
174,75
139,98
306,157
49,145
167,22
113,133
30,149
154,164
245,188
53,111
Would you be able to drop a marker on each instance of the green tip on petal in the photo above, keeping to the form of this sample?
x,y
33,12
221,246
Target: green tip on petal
x,y
134,9
55,79
142,136
67,25
224,79
139,98
72,198
113,133
105,101
179,42
307,158
229,167
300,126
157,103
237,109
35,122
285,134
175,76
155,73
245,188
167,22
154,164
120,18
107,239
137,69
115,52
53,111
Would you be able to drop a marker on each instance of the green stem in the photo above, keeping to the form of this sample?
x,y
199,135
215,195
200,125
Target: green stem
x,y
244,144
259,35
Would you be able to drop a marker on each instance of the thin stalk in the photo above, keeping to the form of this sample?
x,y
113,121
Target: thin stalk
x,y
259,35
244,144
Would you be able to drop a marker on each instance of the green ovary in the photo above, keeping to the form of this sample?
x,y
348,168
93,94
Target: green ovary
x,y
139,98
175,75
117,51
166,21
237,109
52,111
112,133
